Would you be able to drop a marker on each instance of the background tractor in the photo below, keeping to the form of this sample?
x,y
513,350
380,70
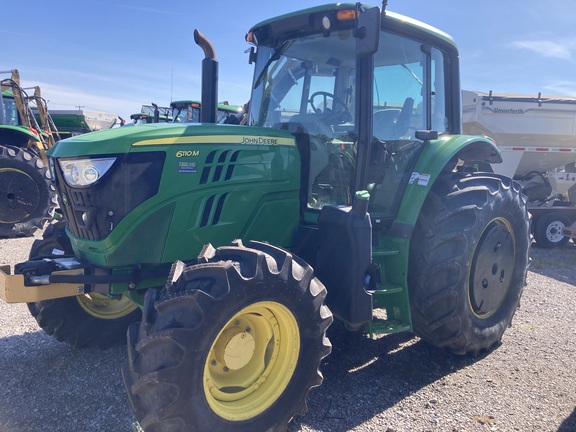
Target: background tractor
x,y
27,196
188,111
350,193
151,114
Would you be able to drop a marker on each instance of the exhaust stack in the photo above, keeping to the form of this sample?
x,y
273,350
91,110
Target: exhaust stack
x,y
208,113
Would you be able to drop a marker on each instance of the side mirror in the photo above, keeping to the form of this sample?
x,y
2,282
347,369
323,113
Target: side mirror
x,y
368,32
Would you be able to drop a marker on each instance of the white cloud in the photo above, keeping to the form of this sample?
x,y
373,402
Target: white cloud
x,y
547,48
65,98
567,88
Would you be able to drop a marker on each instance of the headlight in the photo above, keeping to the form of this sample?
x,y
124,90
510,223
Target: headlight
x,y
84,172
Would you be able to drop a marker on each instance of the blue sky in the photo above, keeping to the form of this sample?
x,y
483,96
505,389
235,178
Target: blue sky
x,y
115,55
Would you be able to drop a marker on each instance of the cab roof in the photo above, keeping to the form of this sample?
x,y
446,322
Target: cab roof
x,y
289,25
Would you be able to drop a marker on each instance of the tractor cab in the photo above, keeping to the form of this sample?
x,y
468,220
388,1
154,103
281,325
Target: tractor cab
x,y
312,82
141,118
9,113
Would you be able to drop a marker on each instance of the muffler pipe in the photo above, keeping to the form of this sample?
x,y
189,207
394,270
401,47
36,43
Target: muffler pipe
x,y
208,113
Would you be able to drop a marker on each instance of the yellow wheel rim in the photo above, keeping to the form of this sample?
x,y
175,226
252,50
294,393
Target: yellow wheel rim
x,y
104,307
251,361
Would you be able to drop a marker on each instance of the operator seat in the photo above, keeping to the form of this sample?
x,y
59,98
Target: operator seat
x,y
403,121
385,122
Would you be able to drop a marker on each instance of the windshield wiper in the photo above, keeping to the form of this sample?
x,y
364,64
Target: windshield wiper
x,y
275,56
413,74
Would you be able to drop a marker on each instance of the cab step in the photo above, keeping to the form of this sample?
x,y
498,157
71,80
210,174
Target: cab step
x,y
381,326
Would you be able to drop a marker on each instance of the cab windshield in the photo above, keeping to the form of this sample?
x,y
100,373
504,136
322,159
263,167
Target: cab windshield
x,y
10,111
186,114
308,87
191,114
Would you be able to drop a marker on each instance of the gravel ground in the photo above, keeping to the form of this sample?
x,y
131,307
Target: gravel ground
x,y
393,384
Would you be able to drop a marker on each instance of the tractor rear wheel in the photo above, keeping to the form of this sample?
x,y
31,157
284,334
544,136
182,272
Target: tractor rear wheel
x,y
27,196
88,320
234,344
468,261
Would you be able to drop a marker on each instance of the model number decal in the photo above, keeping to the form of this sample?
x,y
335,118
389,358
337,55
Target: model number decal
x,y
187,153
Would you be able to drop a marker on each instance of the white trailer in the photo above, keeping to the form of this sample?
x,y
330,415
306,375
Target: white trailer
x,y
537,138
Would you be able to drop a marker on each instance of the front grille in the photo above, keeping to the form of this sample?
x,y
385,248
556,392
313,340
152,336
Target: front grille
x,y
93,212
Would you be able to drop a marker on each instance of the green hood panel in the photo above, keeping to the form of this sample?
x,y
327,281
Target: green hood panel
x,y
123,139
217,183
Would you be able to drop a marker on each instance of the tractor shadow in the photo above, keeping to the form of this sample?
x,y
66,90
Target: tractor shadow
x,y
364,377
569,424
557,263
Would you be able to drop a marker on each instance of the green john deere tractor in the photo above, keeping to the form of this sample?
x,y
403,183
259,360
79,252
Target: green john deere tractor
x,y
188,111
151,114
350,193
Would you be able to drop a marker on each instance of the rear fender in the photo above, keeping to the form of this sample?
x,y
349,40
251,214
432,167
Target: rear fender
x,y
438,156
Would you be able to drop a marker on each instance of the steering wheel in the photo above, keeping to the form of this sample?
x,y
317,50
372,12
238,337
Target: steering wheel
x,y
331,116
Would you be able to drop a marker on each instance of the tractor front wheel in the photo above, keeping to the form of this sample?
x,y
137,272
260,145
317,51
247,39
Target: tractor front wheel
x,y
87,320
234,344
468,261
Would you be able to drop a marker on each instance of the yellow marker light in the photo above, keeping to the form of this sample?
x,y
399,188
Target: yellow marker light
x,y
346,15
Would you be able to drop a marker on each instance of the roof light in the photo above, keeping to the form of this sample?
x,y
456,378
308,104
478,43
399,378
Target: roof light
x,y
251,38
346,15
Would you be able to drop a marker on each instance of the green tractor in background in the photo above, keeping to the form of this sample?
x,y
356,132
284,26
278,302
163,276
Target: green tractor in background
x,y
350,193
189,111
186,111
27,196
150,114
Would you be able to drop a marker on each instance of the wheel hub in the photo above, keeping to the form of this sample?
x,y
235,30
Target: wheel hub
x,y
19,193
251,361
554,231
492,267
235,348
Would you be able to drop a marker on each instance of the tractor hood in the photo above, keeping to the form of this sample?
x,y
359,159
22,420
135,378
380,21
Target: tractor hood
x,y
123,140
157,193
